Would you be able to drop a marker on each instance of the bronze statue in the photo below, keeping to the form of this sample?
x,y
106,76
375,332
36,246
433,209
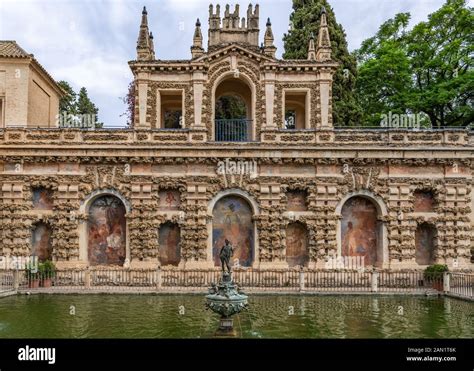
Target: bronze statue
x,y
226,253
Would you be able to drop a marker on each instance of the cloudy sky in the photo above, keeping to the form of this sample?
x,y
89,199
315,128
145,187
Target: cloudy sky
x,y
89,43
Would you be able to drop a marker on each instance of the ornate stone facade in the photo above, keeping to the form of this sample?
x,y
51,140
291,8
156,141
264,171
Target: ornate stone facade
x,y
168,178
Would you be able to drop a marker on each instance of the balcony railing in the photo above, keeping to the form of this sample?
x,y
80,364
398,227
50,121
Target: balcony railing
x,y
234,130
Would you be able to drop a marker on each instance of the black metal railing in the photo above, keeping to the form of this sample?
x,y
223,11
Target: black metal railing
x,y
234,130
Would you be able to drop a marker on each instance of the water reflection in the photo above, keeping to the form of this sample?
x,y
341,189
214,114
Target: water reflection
x,y
269,316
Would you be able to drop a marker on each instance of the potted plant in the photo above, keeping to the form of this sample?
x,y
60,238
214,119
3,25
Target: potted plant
x,y
32,275
434,275
47,271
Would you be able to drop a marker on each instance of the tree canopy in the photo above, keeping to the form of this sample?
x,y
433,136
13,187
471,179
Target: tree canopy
x,y
77,104
428,69
304,21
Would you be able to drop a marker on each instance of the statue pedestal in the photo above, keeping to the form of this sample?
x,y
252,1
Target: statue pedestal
x,y
226,328
226,300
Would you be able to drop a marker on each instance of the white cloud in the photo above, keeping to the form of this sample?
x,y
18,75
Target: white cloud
x,y
99,74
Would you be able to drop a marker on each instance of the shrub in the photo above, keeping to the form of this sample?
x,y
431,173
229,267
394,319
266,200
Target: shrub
x,y
435,271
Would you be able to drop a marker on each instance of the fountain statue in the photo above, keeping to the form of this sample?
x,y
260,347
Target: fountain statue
x,y
225,298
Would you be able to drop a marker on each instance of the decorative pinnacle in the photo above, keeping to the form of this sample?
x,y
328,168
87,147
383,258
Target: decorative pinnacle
x,y
311,35
144,10
151,35
198,23
323,10
268,22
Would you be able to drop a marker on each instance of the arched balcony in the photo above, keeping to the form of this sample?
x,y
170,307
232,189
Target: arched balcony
x,y
233,110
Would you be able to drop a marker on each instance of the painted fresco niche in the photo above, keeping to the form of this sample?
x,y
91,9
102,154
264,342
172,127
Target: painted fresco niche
x,y
41,242
42,198
424,201
169,238
232,220
359,230
296,201
297,253
170,199
425,244
107,231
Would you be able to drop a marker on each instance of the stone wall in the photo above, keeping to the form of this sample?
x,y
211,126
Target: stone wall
x,y
328,178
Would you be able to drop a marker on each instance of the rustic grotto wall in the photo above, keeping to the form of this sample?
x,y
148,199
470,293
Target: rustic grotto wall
x,y
327,183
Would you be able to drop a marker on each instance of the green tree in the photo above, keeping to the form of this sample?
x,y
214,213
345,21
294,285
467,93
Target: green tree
x,y
77,104
441,53
384,78
304,20
67,104
427,69
85,106
230,107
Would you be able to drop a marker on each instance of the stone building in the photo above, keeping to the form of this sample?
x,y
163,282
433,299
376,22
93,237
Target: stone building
x,y
236,144
29,96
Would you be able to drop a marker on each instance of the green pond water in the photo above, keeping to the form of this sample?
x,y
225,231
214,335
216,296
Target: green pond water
x,y
269,316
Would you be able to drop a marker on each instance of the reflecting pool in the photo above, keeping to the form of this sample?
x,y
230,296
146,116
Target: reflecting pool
x,y
269,316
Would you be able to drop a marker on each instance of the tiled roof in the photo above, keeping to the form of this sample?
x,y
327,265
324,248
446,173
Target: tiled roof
x,y
12,49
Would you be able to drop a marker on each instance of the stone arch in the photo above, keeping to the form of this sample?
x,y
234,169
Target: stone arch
x,y
236,224
297,244
41,241
169,236
109,234
356,239
425,244
242,78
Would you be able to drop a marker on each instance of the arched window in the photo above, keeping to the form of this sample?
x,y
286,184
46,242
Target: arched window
x,y
233,111
232,220
41,242
297,253
425,244
169,238
361,231
106,231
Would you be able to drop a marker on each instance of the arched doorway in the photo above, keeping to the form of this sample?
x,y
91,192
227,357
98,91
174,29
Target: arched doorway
x,y
361,232
425,244
41,242
297,253
232,220
233,111
106,231
169,239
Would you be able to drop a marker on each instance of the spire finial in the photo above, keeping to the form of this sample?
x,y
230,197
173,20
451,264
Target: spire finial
x,y
323,52
197,49
311,48
145,40
268,47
